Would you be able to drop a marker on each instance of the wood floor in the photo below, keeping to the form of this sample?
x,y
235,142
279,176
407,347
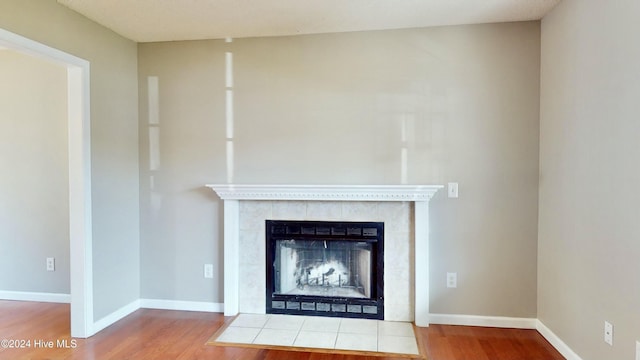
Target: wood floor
x,y
163,334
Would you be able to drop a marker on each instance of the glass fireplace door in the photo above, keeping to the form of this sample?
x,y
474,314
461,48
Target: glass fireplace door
x,y
323,268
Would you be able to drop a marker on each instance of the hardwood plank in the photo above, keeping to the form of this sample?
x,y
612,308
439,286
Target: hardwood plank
x,y
164,334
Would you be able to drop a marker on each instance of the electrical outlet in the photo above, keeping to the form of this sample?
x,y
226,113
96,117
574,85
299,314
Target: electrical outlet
x,y
608,333
208,271
452,280
51,264
452,190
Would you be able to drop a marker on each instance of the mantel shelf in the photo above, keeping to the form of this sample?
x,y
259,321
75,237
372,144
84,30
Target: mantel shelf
x,y
326,192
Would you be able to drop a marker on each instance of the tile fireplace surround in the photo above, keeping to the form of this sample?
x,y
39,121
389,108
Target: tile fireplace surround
x,y
403,208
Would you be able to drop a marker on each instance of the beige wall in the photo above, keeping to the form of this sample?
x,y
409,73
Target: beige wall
x,y
34,186
328,109
181,224
589,230
114,137
310,109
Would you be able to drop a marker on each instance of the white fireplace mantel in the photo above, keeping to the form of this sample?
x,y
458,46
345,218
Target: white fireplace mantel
x,y
232,194
326,192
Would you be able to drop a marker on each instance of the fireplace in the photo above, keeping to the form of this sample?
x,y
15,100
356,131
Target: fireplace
x,y
325,268
404,209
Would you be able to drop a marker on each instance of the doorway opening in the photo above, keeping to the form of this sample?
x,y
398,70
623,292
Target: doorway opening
x,y
79,153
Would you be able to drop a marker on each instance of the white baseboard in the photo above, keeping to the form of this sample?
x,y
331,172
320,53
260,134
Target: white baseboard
x,y
115,316
557,343
154,304
486,321
506,322
35,296
181,305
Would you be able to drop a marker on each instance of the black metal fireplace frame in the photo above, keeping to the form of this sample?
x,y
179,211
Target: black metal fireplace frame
x,y
364,308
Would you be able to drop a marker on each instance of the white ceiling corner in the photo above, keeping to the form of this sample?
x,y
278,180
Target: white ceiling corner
x,y
168,20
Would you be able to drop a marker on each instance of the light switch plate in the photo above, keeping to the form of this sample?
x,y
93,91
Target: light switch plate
x,y
608,333
452,190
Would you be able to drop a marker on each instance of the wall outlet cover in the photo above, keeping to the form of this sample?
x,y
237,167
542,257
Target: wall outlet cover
x,y
452,280
51,264
208,271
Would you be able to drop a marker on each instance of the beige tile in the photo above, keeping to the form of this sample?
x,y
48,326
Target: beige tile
x,y
398,344
395,328
252,247
253,214
250,321
359,326
398,282
324,210
360,211
276,337
252,289
396,215
315,339
251,304
285,322
289,210
399,294
239,335
325,324
398,249
398,311
357,342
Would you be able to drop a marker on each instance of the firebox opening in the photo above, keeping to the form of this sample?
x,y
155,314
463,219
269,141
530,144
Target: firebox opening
x,y
325,268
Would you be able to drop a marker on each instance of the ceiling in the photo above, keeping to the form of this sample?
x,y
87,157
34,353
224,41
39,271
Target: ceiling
x,y
168,20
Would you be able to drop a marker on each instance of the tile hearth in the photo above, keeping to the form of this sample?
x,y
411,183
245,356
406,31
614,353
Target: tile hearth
x,y
321,333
